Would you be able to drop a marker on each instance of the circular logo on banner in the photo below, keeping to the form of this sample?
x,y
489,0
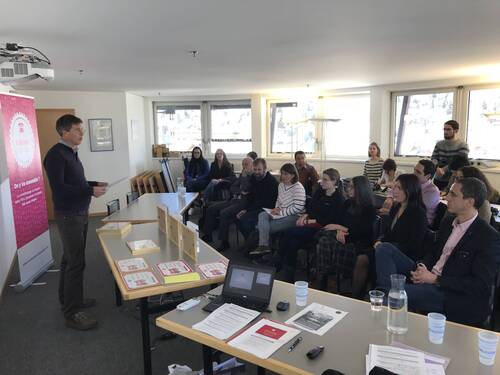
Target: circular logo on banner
x,y
22,140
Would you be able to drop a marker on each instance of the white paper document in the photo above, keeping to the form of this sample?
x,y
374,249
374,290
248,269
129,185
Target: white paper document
x,y
430,358
214,269
176,267
226,321
132,264
140,280
317,318
268,210
264,338
434,369
399,361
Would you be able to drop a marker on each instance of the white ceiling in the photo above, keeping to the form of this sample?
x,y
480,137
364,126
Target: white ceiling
x,y
250,46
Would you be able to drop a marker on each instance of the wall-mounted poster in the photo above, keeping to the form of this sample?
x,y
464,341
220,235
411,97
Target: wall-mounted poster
x,y
101,134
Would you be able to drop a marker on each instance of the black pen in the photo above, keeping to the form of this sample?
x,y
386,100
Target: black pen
x,y
295,343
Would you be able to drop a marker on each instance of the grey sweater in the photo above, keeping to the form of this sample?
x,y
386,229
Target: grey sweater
x,y
444,151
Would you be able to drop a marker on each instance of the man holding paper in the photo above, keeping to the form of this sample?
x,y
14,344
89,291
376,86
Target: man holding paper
x,y
72,193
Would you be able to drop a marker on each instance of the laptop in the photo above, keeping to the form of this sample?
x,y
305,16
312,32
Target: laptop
x,y
245,285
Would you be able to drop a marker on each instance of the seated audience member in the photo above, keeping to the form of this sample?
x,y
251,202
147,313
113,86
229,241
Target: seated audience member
x,y
373,166
347,245
407,222
457,162
323,208
289,205
457,275
263,194
389,174
227,210
196,171
253,155
308,176
484,212
424,170
221,176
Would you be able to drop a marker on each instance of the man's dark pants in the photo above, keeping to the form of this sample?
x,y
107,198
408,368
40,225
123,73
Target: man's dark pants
x,y
73,233
226,211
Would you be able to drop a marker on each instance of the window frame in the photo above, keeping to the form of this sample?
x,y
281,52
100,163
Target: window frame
x,y
393,110
208,122
286,155
183,103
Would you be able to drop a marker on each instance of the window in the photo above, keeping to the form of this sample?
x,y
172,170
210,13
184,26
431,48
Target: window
x,y
483,123
178,126
351,135
231,127
419,120
289,129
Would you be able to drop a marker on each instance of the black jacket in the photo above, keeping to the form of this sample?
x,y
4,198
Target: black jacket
x,y
408,234
71,192
263,193
325,209
469,273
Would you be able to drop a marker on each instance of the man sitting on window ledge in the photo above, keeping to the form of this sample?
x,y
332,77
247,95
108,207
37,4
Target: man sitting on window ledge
x,y
457,275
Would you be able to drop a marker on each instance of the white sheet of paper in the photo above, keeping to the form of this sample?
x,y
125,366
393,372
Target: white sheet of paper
x,y
400,361
316,318
140,280
226,321
268,210
434,369
264,338
214,269
132,264
429,357
176,267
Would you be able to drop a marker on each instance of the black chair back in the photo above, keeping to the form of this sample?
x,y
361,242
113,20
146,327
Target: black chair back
x,y
131,196
113,206
377,228
441,209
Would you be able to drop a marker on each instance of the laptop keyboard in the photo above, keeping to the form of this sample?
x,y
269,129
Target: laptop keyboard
x,y
220,300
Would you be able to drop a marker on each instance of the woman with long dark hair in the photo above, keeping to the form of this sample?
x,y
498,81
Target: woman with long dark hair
x,y
342,242
323,208
220,176
196,171
406,231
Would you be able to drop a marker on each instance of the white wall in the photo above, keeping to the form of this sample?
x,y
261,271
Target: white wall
x,y
7,232
136,133
109,166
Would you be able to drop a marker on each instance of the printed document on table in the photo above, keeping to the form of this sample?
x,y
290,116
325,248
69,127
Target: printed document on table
x,y
400,361
430,358
132,264
316,318
226,321
214,269
264,338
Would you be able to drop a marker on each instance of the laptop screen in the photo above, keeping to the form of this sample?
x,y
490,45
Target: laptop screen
x,y
254,283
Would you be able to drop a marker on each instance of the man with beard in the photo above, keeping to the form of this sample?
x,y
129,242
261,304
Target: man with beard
x,y
445,150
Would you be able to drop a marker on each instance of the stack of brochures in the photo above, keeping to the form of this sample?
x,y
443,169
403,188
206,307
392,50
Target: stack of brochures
x,y
142,247
115,228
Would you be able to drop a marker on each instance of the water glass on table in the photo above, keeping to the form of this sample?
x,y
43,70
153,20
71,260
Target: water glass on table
x,y
301,288
488,342
376,299
181,189
437,325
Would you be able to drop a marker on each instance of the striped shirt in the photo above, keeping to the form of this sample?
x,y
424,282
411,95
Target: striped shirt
x,y
444,151
373,170
291,199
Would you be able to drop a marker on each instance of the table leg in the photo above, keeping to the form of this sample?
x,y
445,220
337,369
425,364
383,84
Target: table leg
x,y
146,342
207,360
118,295
261,370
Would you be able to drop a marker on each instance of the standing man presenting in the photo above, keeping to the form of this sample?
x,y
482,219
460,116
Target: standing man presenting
x,y
71,193
445,150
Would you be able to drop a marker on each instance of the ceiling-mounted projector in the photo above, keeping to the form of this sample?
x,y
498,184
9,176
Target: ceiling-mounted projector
x,y
19,64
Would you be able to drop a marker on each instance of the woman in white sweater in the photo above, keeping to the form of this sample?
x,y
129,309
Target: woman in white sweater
x,y
289,206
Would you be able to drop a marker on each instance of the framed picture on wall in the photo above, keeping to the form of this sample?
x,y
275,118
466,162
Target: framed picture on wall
x,y
101,134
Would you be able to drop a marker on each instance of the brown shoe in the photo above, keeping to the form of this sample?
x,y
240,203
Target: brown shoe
x,y
81,321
